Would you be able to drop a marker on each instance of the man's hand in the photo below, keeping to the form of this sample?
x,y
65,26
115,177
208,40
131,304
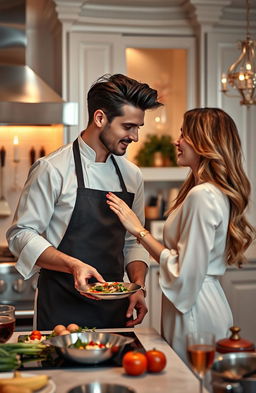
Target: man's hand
x,y
82,273
56,260
137,302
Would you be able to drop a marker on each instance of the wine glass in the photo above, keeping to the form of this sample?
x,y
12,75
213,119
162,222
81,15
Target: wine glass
x,y
201,351
7,322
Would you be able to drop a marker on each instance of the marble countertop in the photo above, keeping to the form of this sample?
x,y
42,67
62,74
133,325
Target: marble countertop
x,y
175,378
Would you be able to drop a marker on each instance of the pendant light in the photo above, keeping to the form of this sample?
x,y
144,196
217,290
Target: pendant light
x,y
241,75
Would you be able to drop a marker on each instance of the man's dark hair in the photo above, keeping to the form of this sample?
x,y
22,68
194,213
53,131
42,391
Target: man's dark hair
x,y
111,92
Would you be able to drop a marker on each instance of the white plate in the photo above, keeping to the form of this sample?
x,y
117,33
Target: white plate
x,y
49,388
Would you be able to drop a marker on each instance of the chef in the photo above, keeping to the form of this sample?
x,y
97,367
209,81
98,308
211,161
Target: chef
x,y
63,227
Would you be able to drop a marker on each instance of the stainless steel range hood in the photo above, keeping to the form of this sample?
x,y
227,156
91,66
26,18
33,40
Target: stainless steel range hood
x,y
24,97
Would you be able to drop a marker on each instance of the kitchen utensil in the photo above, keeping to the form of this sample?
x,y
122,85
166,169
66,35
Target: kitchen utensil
x,y
234,343
114,343
97,387
232,367
249,374
131,288
200,350
5,210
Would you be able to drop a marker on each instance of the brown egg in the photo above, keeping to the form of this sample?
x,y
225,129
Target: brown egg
x,y
73,327
58,329
64,332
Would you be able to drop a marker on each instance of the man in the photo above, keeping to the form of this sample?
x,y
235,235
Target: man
x,y
63,226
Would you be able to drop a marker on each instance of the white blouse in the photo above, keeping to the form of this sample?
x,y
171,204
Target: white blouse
x,y
195,234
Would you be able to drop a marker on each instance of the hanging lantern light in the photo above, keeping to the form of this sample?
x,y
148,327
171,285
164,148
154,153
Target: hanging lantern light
x,y
242,74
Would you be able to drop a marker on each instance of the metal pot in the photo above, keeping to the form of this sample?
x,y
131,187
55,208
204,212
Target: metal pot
x,y
228,370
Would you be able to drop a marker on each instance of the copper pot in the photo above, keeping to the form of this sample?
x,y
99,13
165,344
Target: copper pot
x,y
234,343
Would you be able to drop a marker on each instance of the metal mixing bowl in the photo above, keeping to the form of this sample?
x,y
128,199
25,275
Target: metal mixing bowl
x,y
97,387
114,344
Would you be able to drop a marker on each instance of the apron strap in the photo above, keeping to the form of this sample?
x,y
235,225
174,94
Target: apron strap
x,y
124,189
78,164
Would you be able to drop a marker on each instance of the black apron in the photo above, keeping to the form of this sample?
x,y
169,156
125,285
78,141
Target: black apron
x,y
95,236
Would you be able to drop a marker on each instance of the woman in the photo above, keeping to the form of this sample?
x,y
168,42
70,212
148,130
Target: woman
x,y
205,231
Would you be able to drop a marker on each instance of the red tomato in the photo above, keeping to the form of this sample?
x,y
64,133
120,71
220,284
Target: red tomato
x,y
35,335
156,360
134,363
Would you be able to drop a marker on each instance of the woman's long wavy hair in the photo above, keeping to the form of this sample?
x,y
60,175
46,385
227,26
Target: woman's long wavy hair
x,y
213,135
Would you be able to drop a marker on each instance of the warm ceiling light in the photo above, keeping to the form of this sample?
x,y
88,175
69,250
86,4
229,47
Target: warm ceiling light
x,y
242,74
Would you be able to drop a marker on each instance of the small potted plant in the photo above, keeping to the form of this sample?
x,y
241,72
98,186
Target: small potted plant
x,y
157,151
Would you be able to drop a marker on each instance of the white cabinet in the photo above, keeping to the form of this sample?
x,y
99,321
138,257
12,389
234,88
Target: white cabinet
x,y
158,178
240,288
153,299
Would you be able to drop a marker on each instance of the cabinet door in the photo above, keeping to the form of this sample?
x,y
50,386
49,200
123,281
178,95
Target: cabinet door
x,y
90,56
240,288
155,299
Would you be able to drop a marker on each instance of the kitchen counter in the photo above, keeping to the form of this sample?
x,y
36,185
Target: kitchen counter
x,y
175,378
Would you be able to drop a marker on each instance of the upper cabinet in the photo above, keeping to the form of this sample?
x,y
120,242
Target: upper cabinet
x,y
165,63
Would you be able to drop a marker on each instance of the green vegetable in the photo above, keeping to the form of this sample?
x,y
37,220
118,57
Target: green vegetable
x,y
10,353
77,344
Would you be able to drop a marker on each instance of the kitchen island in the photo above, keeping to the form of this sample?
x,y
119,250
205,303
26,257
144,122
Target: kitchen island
x,y
175,378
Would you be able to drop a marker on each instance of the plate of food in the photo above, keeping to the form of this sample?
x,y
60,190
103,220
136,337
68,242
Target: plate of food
x,y
36,382
111,290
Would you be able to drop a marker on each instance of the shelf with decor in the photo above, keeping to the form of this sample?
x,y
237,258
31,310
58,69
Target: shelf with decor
x,y
165,174
162,181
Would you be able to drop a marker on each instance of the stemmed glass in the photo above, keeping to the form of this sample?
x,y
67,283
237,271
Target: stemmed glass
x,y
7,322
201,351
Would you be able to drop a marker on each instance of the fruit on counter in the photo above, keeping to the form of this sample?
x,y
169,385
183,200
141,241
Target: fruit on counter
x,y
14,389
156,360
33,383
35,335
134,363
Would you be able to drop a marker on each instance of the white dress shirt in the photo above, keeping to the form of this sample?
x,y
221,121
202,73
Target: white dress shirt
x,y
48,198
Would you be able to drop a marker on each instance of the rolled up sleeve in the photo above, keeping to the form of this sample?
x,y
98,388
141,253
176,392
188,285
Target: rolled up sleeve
x,y
25,237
